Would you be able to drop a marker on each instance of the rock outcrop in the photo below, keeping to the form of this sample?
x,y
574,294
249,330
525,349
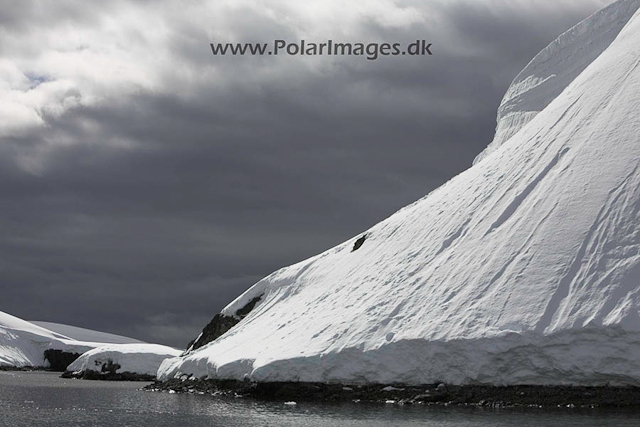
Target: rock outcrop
x,y
59,360
220,324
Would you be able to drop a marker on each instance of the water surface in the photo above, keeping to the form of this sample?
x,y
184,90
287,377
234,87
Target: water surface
x,y
44,399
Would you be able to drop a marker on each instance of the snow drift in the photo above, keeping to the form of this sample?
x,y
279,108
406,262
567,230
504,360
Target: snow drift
x,y
554,68
523,269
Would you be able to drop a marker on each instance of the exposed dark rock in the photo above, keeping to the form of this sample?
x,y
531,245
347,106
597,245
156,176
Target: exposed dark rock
x,y
428,394
21,368
109,367
107,375
107,371
220,324
359,243
242,312
59,360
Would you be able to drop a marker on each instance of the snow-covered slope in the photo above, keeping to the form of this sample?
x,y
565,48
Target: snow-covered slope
x,y
135,358
23,343
555,67
523,269
82,334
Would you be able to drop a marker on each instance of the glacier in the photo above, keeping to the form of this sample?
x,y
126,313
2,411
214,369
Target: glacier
x,y
523,269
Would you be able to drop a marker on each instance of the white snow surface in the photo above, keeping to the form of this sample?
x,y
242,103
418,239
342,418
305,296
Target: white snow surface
x,y
23,343
555,67
524,269
135,358
82,334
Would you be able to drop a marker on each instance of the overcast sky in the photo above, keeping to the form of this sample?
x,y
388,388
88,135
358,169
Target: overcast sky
x,y
145,183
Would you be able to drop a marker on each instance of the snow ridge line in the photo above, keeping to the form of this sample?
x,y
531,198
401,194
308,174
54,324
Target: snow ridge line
x,y
564,286
520,197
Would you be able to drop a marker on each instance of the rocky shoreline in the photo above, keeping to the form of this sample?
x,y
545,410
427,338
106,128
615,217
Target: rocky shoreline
x,y
108,376
84,375
22,368
432,394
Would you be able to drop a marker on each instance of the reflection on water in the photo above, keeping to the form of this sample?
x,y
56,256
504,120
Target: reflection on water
x,y
43,399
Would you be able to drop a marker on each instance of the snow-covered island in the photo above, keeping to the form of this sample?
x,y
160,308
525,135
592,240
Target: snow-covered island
x,y
121,362
82,352
524,269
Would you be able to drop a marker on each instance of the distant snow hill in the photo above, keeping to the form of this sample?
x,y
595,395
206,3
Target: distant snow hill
x,y
524,269
24,343
82,334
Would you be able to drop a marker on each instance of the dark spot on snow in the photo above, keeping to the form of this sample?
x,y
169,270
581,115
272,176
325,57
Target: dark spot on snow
x,y
109,367
359,243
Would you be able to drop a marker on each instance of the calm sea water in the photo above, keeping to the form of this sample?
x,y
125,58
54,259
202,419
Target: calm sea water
x,y
43,399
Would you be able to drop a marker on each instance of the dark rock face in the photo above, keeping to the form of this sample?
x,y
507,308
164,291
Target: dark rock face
x,y
59,360
220,324
242,312
359,243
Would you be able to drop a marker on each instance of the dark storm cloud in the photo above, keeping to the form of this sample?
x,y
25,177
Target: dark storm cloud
x,y
146,213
